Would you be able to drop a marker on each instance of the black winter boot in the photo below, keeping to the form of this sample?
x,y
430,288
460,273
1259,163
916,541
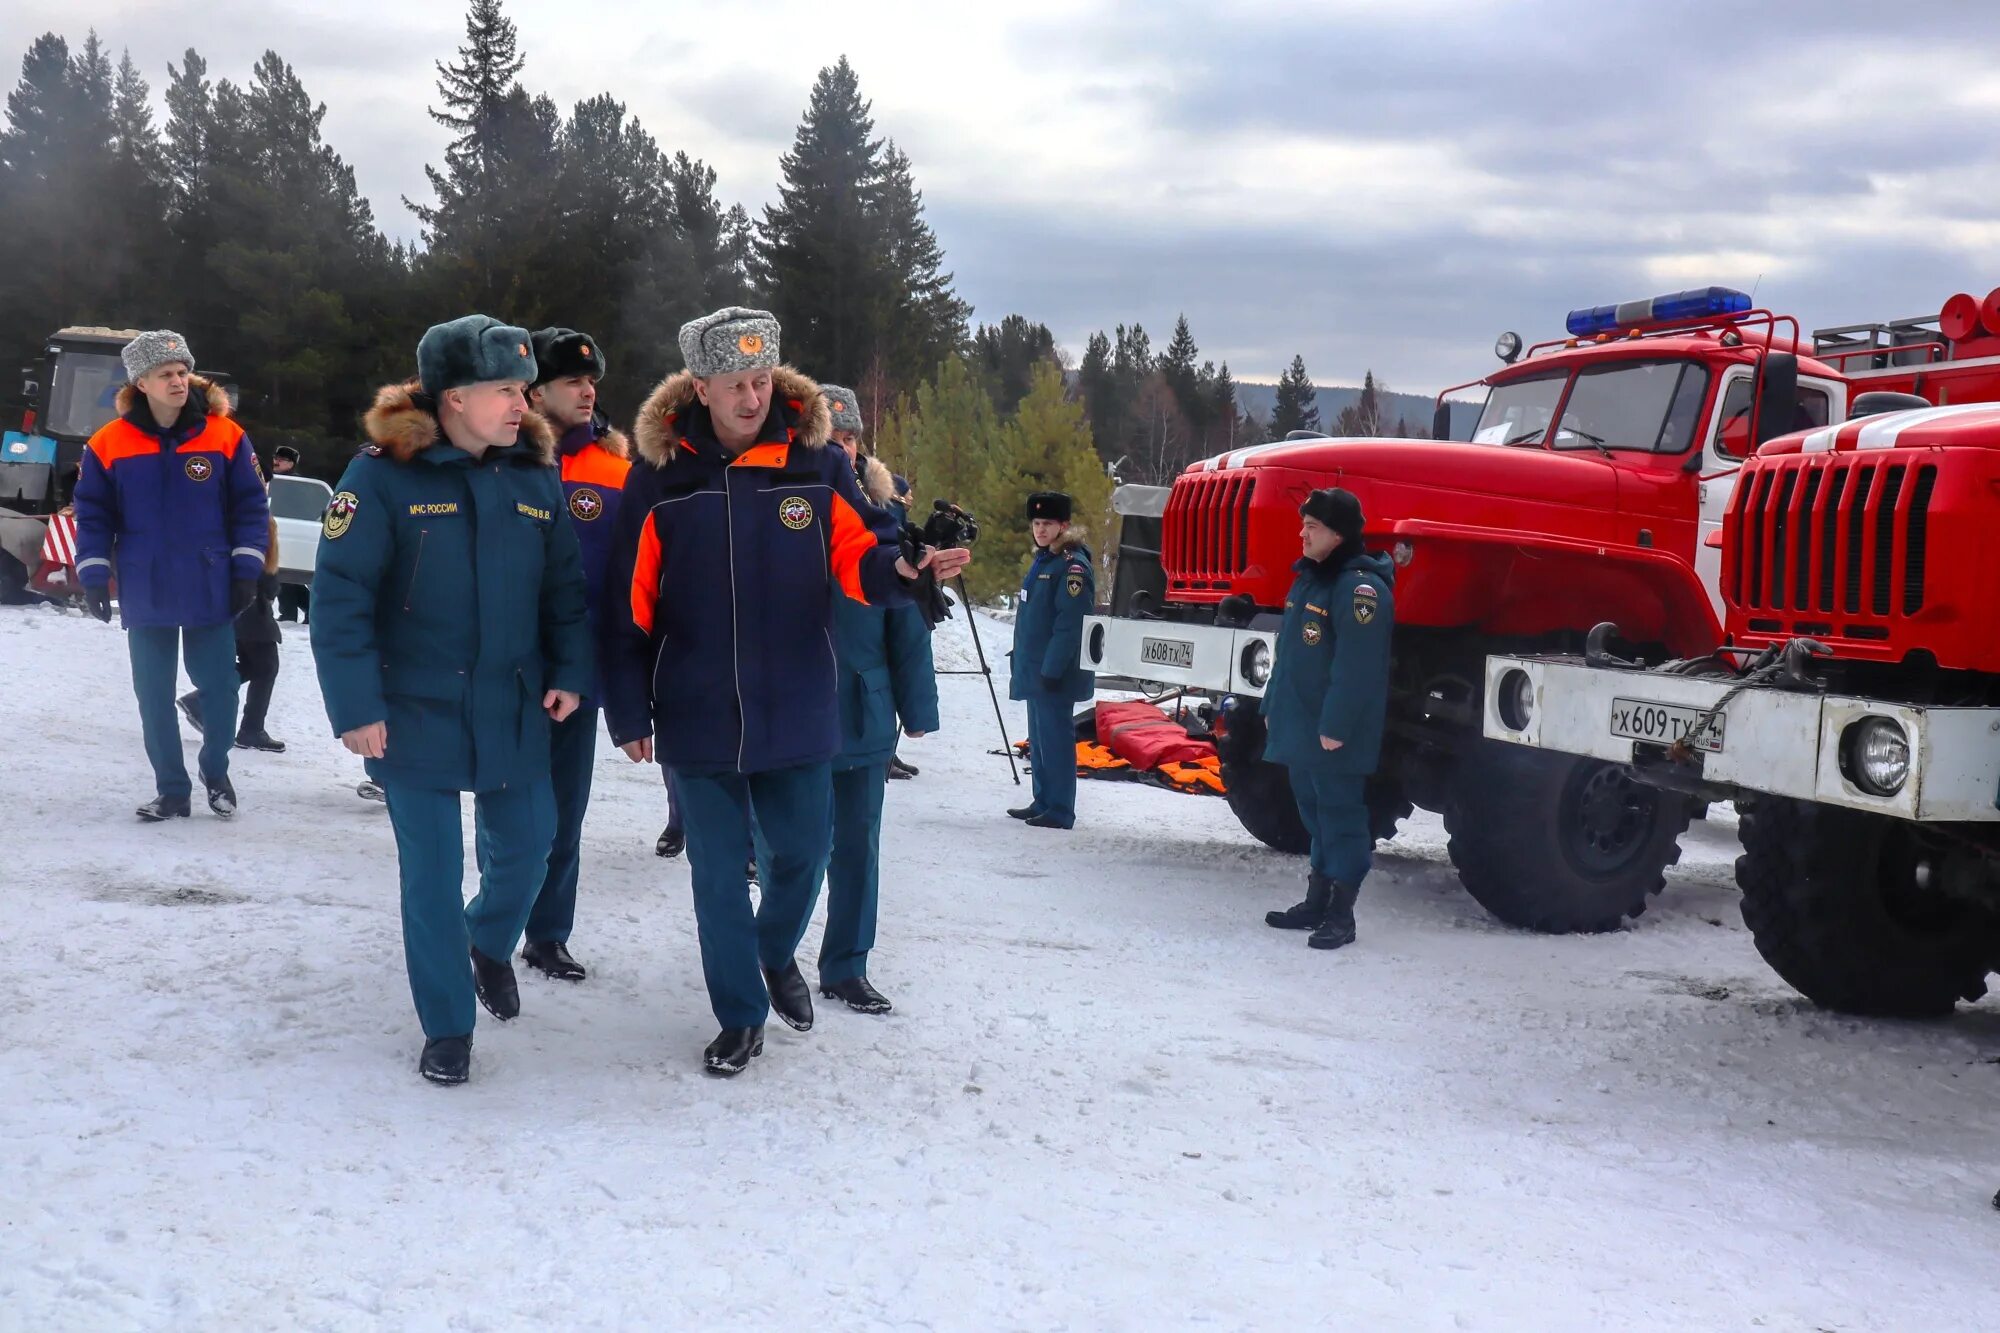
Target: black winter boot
x,y
446,1059
730,1053
1024,812
221,797
790,995
1308,914
671,844
259,739
858,995
551,958
190,706
1337,931
163,808
493,981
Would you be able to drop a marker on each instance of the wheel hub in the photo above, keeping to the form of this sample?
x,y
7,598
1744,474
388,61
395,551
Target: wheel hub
x,y
1608,817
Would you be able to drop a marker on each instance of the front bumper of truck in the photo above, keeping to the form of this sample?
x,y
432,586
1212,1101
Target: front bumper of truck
x,y
1768,740
1208,659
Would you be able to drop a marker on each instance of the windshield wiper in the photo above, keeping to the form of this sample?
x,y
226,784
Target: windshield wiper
x,y
1531,433
1593,441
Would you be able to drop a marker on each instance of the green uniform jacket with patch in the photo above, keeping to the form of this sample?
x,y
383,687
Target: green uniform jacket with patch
x,y
448,597
1331,676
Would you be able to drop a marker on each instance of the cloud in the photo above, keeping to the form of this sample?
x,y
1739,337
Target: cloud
x,y
1370,186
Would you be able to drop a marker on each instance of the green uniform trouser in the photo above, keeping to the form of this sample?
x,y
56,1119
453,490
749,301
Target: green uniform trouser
x,y
1334,807
853,873
513,827
572,752
210,652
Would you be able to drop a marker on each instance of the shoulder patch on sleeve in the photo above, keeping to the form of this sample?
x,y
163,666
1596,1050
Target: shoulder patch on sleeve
x,y
340,514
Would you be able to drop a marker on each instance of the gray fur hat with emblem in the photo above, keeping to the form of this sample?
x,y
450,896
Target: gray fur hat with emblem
x,y
844,407
153,349
730,341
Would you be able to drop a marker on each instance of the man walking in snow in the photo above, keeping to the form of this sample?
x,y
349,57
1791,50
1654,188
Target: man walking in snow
x,y
594,459
1325,707
738,527
449,632
170,501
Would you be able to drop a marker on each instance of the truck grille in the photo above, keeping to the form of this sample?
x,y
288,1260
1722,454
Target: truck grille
x,y
1206,534
1846,537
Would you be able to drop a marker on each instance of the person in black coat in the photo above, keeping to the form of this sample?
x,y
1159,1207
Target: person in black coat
x,y
257,640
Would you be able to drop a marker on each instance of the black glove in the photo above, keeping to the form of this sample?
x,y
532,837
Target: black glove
x,y
242,596
924,592
98,602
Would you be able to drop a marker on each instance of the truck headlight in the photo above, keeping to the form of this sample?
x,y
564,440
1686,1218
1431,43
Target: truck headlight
x,y
1516,700
1876,751
1257,663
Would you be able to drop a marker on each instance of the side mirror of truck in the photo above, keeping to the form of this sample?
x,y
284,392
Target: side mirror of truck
x,y
1777,397
1441,421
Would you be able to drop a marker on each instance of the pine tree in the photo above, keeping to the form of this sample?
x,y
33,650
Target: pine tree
x,y
190,110
1008,355
1227,421
1177,363
1296,408
948,441
1365,415
822,256
1097,381
1047,447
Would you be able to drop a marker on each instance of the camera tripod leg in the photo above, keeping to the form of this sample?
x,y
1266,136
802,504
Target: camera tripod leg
x,y
972,620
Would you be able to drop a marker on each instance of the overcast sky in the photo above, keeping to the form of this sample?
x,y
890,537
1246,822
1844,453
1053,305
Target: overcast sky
x,y
1371,185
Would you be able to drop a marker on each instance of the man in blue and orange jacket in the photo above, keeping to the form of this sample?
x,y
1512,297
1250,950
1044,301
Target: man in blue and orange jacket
x,y
171,502
594,459
737,527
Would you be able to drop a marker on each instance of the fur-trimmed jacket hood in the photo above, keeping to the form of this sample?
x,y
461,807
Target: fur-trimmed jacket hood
x,y
214,400
662,425
403,423
877,482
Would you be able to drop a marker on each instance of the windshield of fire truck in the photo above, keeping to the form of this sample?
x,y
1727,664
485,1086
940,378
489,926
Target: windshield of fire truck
x,y
84,393
1650,406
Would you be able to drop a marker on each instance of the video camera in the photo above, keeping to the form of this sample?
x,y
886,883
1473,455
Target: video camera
x,y
949,527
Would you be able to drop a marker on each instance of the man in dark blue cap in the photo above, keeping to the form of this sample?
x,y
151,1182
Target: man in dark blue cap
x,y
449,632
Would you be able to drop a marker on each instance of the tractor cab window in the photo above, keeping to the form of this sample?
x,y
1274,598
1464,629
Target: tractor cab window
x,y
1813,408
1519,411
1646,406
84,394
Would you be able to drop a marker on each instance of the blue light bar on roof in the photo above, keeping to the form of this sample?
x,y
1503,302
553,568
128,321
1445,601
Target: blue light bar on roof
x,y
1696,303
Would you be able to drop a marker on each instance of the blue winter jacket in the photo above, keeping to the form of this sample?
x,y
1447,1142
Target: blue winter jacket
x,y
176,512
887,680
717,635
447,600
595,461
1057,593
1331,676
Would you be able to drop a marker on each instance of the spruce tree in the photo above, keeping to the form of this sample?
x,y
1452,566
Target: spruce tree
x,y
1008,354
1296,408
925,320
1047,447
821,255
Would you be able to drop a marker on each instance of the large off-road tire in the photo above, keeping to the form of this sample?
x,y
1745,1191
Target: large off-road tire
x,y
1260,795
1834,900
13,580
1554,843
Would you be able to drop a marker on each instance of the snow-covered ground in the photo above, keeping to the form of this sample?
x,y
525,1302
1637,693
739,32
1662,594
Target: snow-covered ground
x,y
1109,1097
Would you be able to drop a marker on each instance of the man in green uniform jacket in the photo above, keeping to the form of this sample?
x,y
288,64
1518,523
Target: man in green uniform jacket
x,y
1326,703
449,630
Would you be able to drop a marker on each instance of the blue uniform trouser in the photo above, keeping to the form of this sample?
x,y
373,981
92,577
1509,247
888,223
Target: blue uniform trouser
x,y
793,808
853,874
512,829
210,651
1052,753
1334,807
572,752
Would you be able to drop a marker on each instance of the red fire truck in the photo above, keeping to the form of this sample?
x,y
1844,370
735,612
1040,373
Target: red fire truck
x,y
1594,487
1853,710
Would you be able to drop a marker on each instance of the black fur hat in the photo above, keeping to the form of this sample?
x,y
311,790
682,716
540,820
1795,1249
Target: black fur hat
x,y
560,353
1338,509
1049,504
